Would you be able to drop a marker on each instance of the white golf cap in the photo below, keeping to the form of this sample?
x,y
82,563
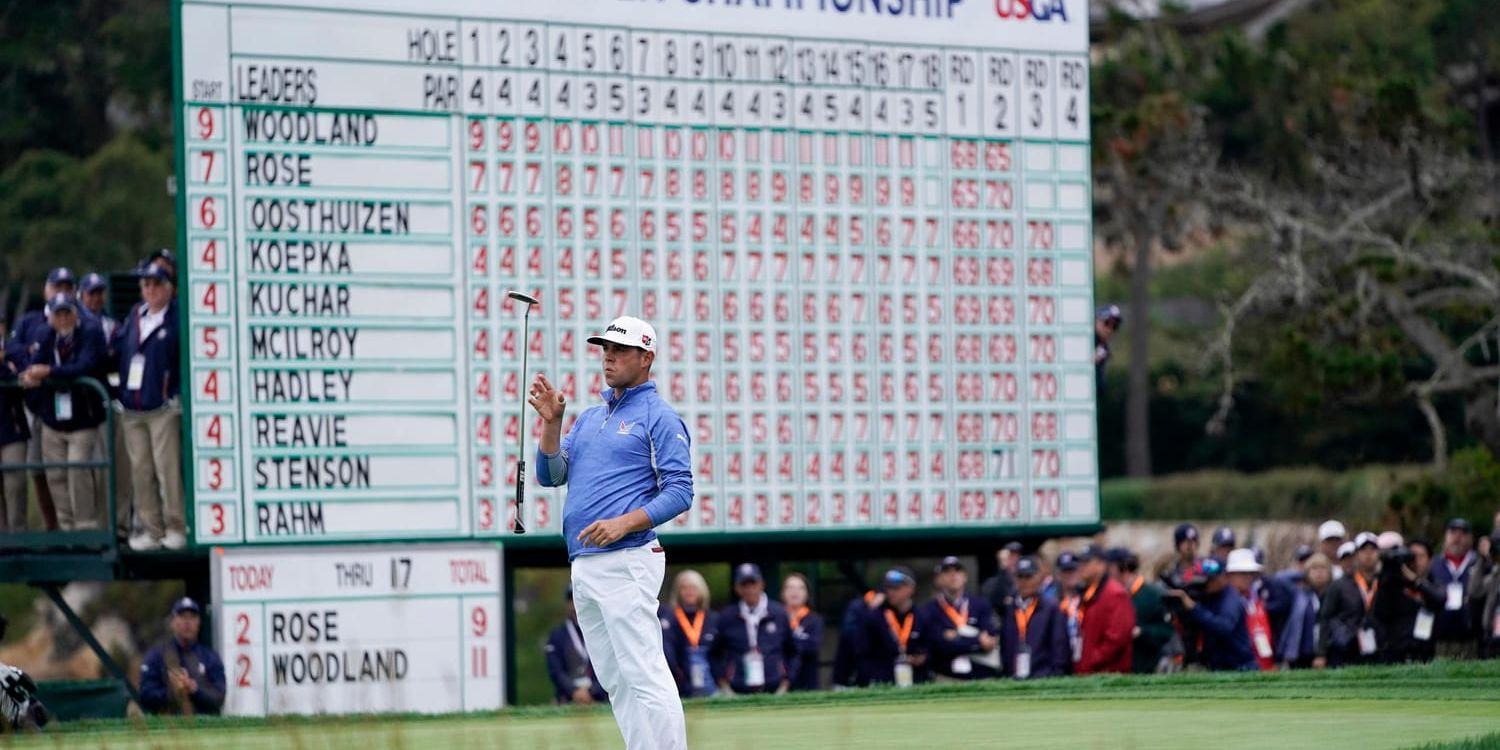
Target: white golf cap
x,y
1242,561
627,331
1389,540
1365,537
1346,549
1331,530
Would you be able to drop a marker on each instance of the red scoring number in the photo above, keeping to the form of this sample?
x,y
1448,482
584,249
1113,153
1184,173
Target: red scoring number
x,y
243,663
243,620
208,213
207,123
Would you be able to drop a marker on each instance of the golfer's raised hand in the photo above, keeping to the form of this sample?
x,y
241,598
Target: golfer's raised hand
x,y
548,401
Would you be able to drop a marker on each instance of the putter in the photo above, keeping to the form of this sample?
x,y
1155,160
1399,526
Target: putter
x,y
529,300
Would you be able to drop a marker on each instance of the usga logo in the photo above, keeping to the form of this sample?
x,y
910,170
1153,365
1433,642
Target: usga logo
x,y
1041,10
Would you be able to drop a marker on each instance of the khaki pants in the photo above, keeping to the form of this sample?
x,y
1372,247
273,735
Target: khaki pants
x,y
13,489
74,491
153,439
122,476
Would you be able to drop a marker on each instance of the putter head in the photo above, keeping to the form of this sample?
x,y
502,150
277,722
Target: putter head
x,y
523,297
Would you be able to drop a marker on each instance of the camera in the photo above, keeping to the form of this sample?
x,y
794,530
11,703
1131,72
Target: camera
x,y
1397,557
1190,581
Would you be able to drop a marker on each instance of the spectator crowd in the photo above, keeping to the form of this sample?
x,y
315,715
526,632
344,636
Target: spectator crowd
x,y
1364,598
51,417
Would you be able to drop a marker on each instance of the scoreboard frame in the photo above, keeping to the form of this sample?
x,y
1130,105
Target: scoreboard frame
x,y
186,287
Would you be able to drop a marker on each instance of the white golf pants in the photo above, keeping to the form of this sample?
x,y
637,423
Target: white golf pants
x,y
615,595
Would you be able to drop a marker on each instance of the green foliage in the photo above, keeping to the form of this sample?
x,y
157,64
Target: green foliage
x,y
1470,488
1359,497
73,72
102,212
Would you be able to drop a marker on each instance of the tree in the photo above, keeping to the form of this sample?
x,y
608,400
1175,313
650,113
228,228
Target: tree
x,y
1399,237
1151,157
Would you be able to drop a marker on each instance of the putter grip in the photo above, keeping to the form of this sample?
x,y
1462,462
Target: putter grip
x,y
520,494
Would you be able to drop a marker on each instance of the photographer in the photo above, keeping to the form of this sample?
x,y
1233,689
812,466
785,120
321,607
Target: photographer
x,y
1350,634
1205,600
1407,601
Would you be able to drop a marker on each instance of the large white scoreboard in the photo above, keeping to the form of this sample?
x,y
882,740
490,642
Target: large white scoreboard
x,y
861,228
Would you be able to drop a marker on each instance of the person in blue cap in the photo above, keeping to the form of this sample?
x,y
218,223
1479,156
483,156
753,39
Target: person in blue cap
x,y
892,647
1106,323
69,413
1185,544
26,336
754,644
147,359
962,633
92,293
182,675
1222,542
573,678
1036,637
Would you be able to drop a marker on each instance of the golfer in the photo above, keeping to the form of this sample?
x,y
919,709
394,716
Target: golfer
x,y
626,463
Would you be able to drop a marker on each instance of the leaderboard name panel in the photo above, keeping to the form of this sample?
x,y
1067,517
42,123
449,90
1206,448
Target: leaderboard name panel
x,y
869,262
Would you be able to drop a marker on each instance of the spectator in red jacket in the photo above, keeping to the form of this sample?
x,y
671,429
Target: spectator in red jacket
x,y
1108,618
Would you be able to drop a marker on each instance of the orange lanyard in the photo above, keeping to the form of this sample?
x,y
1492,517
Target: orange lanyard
x,y
797,615
1070,607
1366,591
693,630
901,632
1138,584
960,618
1023,618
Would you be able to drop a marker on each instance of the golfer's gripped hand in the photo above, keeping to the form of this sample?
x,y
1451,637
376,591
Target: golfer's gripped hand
x,y
548,401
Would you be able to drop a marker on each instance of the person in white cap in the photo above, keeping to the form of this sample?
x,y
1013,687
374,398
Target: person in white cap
x,y
1349,632
1243,571
628,469
1345,557
1330,538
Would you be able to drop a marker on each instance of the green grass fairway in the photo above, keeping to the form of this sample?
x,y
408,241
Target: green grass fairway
x,y
1365,709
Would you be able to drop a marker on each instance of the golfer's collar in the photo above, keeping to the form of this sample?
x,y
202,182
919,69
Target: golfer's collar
x,y
609,393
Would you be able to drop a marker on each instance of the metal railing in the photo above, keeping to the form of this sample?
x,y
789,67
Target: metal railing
x,y
101,539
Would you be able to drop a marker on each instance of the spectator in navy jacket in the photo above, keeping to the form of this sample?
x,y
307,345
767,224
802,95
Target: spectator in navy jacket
x,y
182,675
1220,616
754,643
1297,643
688,630
962,633
892,646
27,334
807,633
573,678
69,413
15,433
1458,573
1036,639
92,293
1348,631
151,419
848,670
